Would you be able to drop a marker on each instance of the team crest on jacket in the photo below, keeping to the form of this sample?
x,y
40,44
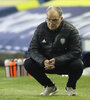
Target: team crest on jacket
x,y
62,41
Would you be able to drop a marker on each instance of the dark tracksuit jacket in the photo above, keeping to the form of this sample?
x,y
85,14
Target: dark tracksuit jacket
x,y
63,44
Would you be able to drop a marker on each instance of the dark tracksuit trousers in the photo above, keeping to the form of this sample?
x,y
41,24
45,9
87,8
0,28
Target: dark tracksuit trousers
x,y
73,70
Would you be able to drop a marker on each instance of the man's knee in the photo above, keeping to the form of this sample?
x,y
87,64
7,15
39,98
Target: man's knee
x,y
77,65
27,63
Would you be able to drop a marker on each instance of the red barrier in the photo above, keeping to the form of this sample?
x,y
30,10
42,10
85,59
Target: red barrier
x,y
12,65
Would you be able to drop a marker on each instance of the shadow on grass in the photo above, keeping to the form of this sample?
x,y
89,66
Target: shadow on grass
x,y
49,96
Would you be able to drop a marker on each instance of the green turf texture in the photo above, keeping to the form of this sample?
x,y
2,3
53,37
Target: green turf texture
x,y
27,88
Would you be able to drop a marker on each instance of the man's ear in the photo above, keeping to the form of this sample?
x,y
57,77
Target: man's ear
x,y
61,18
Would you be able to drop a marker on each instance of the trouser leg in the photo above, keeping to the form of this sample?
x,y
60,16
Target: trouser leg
x,y
37,72
74,72
73,69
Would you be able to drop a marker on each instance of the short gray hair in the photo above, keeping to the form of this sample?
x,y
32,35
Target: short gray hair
x,y
57,8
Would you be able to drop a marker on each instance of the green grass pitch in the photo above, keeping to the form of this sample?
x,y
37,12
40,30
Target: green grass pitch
x,y
27,88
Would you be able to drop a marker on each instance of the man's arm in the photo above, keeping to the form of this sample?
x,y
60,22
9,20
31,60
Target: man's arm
x,y
34,50
74,49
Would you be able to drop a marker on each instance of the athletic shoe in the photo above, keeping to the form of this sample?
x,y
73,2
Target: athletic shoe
x,y
70,91
48,91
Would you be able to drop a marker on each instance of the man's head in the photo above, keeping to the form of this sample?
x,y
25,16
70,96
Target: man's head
x,y
54,17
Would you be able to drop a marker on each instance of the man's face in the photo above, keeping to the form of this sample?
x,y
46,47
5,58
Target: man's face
x,y
53,19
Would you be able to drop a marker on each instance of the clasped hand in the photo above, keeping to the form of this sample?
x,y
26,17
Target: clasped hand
x,y
49,64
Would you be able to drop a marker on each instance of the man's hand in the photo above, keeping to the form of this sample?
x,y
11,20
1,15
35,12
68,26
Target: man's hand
x,y
49,64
